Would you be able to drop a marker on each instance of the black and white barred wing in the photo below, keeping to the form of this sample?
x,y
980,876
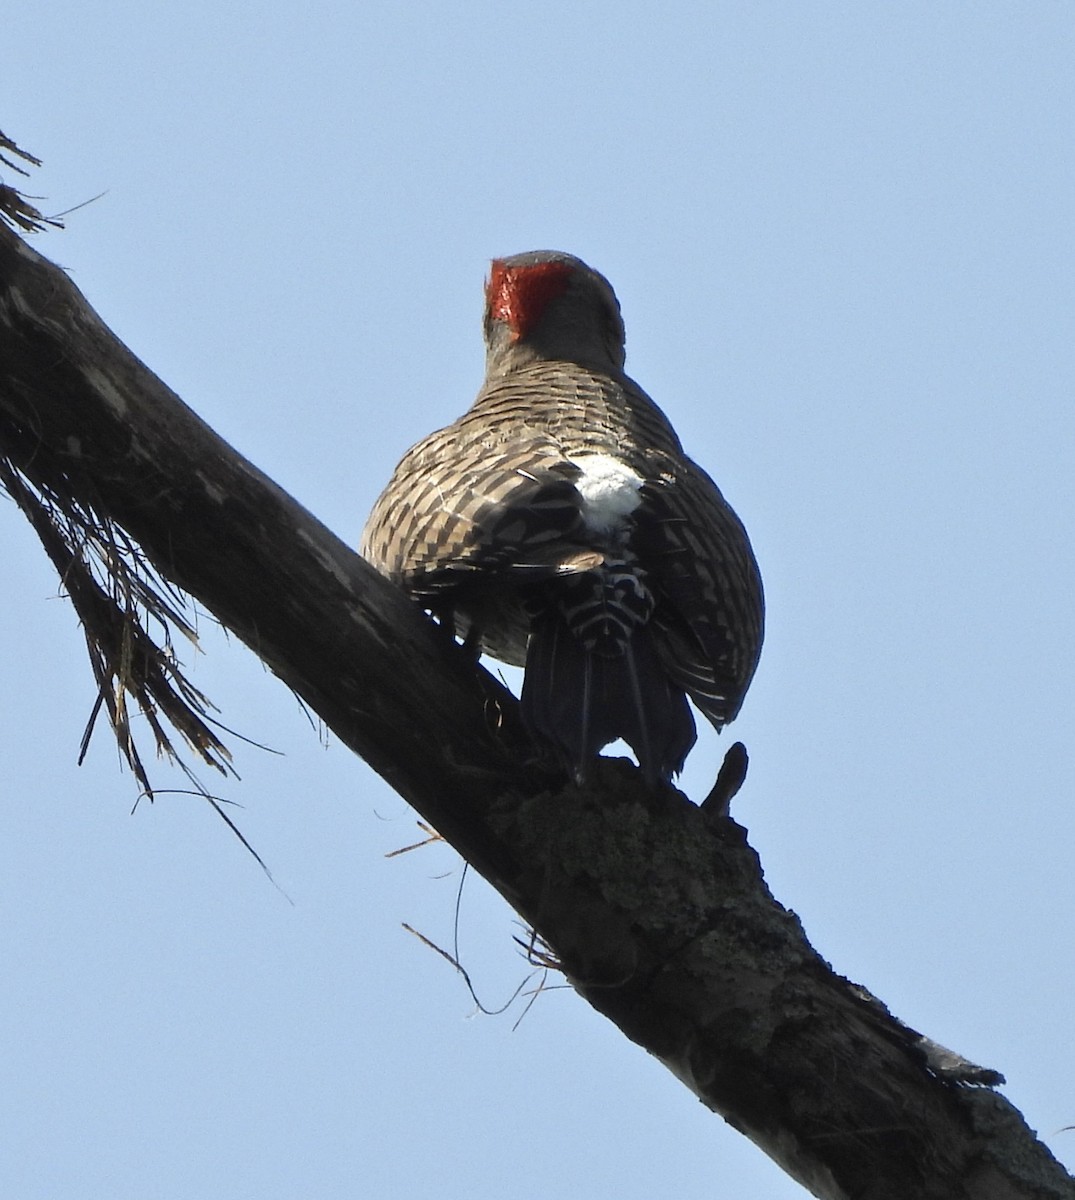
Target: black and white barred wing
x,y
709,603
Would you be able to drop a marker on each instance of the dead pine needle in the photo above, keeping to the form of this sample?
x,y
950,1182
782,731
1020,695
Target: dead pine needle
x,y
218,803
431,837
487,1012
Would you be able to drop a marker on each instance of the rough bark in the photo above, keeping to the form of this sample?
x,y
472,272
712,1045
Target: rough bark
x,y
656,909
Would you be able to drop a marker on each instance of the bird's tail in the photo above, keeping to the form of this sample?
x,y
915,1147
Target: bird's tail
x,y
593,675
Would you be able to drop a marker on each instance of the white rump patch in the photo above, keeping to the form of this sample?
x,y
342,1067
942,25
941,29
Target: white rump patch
x,y
609,490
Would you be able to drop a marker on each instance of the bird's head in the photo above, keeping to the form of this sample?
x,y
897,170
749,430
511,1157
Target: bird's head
x,y
545,305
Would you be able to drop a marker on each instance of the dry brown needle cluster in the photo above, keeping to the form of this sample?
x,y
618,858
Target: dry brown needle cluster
x,y
15,208
129,615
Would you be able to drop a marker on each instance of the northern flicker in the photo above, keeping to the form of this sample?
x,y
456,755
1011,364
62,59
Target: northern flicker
x,y
558,525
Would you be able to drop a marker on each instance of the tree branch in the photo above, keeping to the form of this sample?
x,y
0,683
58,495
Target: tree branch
x,y
657,909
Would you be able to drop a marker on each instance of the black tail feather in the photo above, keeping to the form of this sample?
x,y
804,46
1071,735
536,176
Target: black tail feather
x,y
580,699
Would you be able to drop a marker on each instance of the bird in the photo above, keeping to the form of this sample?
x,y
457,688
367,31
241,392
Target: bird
x,y
558,525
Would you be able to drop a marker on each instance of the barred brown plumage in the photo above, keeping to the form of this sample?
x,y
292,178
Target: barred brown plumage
x,y
559,526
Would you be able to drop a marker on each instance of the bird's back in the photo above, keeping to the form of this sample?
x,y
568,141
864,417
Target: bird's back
x,y
484,511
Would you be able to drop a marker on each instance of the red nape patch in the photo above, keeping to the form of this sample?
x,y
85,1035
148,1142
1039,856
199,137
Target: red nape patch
x,y
519,295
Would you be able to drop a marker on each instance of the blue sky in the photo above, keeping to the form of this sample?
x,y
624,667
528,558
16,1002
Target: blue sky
x,y
841,236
